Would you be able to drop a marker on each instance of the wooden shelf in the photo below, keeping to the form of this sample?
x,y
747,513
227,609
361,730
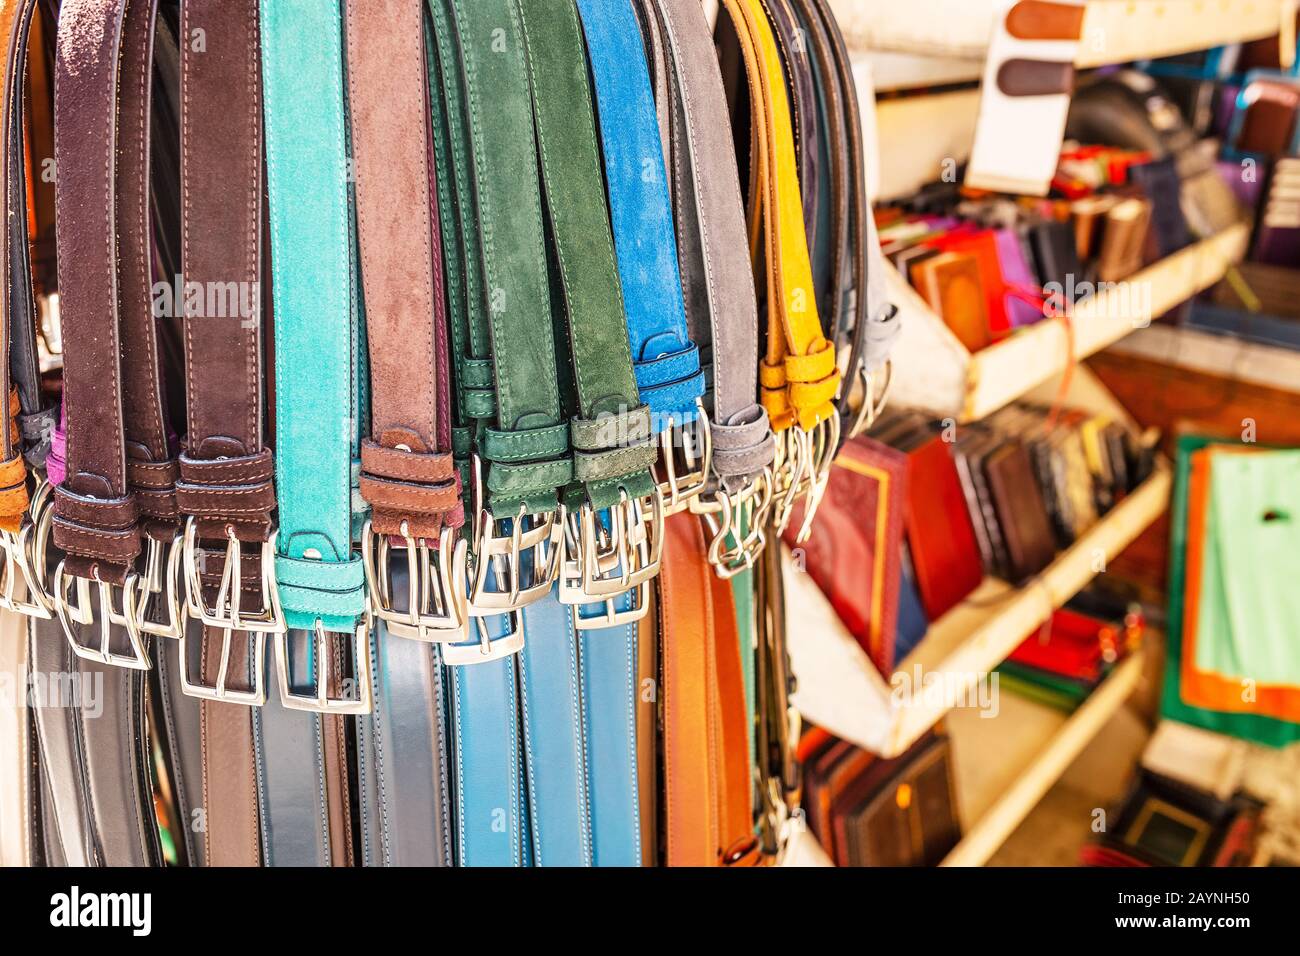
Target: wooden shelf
x,y
839,688
1199,351
1114,31
934,372
1042,743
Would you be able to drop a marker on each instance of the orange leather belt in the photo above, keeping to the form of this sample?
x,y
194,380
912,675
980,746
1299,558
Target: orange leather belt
x,y
708,796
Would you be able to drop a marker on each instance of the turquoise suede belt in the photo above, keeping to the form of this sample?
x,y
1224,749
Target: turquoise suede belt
x,y
317,342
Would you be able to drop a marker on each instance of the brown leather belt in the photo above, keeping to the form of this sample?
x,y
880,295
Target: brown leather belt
x,y
95,514
151,469
225,487
408,474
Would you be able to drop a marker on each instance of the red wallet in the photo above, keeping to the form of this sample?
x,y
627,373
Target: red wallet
x,y
852,554
1075,646
945,555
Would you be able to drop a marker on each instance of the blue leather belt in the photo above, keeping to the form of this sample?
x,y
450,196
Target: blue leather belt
x,y
667,362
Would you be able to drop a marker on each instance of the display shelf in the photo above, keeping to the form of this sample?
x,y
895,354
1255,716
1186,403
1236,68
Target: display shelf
x,y
1114,31
1035,744
1201,351
933,371
839,688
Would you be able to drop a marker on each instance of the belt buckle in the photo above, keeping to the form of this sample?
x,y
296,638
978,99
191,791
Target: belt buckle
x,y
678,489
82,612
28,552
487,648
508,550
611,615
871,407
604,561
321,702
823,443
725,514
10,569
227,612
436,609
792,455
220,691
161,577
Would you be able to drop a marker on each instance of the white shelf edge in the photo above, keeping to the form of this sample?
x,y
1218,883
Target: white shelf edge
x,y
932,370
1001,819
1258,363
1001,373
839,689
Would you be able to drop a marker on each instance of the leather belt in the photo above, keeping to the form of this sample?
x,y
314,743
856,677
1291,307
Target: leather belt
x,y
719,287
94,754
862,318
303,779
793,47
609,550
666,361
578,665
407,471
708,808
225,489
522,461
797,375
36,418
404,799
95,514
526,452
404,774
320,579
24,569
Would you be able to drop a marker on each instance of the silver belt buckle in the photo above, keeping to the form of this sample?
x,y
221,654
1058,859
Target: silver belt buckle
x,y
12,567
604,560
792,461
321,702
732,550
227,615
26,554
505,551
436,599
221,691
678,488
228,612
487,648
823,443
82,612
871,405
161,579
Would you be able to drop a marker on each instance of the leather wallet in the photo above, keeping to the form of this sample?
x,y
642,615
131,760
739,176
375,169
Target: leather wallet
x,y
1160,184
1056,258
944,551
912,622
1020,510
1124,239
899,812
983,246
857,533
952,286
